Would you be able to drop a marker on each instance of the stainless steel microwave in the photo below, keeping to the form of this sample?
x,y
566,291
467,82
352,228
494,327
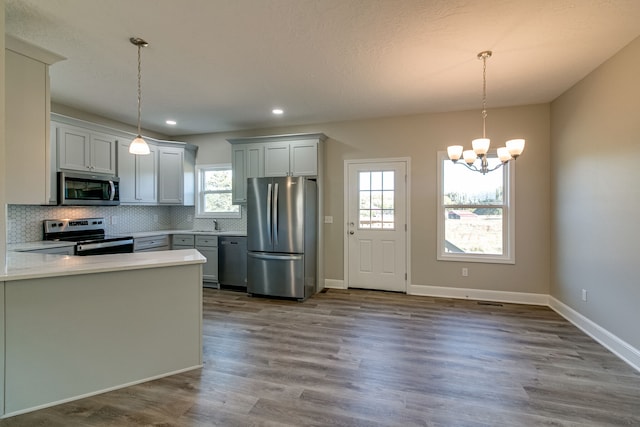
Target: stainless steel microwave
x,y
79,189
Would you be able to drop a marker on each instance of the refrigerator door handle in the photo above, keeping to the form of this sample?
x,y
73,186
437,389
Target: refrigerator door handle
x,y
269,212
275,257
275,214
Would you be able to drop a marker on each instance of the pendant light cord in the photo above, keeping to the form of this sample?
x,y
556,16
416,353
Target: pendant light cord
x,y
484,94
139,89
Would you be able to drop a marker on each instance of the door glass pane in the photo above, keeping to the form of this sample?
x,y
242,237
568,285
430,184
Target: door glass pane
x,y
365,181
377,200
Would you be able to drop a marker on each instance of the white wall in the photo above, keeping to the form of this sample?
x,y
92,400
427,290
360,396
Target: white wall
x,y
421,137
596,199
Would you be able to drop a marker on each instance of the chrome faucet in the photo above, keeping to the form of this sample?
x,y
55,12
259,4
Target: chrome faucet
x,y
215,225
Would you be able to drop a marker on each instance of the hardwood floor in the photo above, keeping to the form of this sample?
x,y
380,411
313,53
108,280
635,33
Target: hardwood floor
x,y
366,358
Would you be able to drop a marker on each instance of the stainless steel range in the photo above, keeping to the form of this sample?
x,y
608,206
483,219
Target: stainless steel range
x,y
89,235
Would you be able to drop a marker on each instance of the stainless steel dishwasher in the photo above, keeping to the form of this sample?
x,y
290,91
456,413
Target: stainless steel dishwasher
x,y
232,261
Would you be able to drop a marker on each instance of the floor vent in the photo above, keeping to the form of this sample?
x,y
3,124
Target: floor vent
x,y
494,304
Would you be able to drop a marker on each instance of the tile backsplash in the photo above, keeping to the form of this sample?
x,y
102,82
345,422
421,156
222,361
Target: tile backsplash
x,y
25,221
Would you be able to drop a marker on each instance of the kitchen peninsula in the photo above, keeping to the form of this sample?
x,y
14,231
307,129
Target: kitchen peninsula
x,y
78,326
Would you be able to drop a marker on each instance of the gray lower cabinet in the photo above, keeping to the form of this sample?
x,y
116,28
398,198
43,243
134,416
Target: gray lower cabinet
x,y
151,243
208,246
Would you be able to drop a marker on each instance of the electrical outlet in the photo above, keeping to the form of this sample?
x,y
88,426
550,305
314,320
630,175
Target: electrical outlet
x,y
465,272
114,220
584,295
155,218
189,218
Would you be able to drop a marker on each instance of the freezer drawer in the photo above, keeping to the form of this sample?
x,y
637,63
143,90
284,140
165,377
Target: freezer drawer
x,y
278,275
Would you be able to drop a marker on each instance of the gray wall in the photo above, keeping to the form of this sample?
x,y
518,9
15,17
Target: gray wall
x,y
596,198
420,137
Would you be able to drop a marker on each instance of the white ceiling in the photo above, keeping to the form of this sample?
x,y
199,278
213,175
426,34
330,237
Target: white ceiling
x,y
220,65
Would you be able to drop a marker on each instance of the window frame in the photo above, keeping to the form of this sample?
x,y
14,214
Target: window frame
x,y
200,192
508,217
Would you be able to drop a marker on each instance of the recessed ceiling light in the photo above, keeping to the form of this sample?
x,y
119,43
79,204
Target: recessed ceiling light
x,y
277,111
171,122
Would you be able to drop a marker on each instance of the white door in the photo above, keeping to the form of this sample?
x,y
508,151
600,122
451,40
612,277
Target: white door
x,y
376,232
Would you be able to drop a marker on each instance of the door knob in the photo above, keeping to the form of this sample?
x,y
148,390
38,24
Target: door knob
x,y
351,232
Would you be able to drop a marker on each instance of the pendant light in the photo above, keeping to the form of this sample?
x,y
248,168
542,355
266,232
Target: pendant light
x,y
139,145
513,149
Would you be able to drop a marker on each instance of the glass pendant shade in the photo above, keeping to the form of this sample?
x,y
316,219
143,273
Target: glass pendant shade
x,y
503,154
515,147
454,152
139,146
481,146
469,156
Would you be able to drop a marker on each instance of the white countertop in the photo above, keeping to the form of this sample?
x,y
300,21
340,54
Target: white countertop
x,y
21,265
42,244
164,232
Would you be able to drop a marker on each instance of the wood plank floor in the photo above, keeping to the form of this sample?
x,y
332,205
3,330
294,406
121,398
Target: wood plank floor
x,y
365,358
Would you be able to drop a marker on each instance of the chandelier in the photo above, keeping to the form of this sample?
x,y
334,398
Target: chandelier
x,y
139,145
512,150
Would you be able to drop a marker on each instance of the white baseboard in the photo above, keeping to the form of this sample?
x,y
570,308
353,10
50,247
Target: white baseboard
x,y
334,284
617,346
479,294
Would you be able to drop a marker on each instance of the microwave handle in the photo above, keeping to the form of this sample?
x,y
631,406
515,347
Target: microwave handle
x,y
112,190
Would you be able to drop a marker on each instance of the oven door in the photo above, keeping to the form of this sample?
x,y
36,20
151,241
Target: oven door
x,y
77,189
103,248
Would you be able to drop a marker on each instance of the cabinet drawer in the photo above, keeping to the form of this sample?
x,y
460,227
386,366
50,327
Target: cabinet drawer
x,y
148,243
182,239
206,240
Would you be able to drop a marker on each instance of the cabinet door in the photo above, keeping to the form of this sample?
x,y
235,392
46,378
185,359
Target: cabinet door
x,y
210,268
254,165
126,173
103,154
26,122
304,158
238,175
74,146
170,176
276,159
147,176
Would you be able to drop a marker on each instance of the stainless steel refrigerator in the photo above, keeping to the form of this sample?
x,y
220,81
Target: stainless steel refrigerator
x,y
282,222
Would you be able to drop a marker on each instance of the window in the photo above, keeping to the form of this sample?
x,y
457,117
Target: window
x,y
214,192
475,216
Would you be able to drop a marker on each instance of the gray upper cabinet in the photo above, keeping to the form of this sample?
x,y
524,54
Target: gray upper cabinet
x,y
247,161
291,158
30,160
171,176
138,175
82,150
281,155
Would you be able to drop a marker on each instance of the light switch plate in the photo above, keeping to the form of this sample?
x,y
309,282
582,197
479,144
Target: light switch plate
x,y
328,220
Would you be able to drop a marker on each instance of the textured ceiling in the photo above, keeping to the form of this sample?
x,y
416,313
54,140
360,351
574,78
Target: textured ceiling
x,y
220,65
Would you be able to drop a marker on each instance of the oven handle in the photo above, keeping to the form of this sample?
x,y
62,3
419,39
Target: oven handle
x,y
90,246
